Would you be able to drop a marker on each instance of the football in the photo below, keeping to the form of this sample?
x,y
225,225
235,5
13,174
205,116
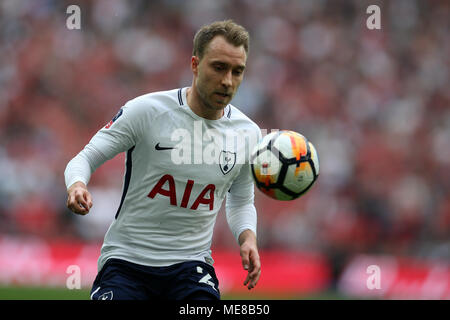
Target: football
x,y
284,165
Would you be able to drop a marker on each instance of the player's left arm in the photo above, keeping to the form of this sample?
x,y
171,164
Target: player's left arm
x,y
242,220
250,257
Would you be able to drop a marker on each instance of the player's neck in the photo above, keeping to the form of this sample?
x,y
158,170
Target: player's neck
x,y
197,106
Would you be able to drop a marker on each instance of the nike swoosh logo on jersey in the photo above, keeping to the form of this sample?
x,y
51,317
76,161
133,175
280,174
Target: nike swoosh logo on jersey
x,y
157,147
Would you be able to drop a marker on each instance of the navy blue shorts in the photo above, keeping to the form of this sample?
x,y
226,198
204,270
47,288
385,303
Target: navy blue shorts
x,y
123,280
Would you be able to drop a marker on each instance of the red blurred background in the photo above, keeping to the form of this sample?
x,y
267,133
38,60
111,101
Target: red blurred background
x,y
375,103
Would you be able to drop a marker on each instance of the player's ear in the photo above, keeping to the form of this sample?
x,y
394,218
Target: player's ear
x,y
194,64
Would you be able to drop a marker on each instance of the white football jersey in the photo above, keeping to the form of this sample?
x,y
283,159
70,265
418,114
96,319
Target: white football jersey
x,y
179,169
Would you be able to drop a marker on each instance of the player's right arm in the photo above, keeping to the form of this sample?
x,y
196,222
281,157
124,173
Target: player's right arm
x,y
121,134
79,200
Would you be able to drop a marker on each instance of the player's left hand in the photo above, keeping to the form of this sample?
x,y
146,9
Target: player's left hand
x,y
250,258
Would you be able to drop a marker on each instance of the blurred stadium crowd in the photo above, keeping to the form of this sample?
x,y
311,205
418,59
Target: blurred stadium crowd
x,y
375,103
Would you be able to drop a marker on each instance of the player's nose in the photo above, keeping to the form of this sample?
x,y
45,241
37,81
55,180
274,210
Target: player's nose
x,y
227,80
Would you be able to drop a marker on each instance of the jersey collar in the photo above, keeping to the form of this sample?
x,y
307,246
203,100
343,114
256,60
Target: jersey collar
x,y
182,100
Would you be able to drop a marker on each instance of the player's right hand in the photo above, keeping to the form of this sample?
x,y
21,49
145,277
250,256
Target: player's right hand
x,y
79,199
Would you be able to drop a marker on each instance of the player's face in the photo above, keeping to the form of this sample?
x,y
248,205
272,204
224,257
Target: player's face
x,y
219,73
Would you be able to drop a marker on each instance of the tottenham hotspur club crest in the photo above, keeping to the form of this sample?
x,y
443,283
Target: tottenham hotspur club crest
x,y
227,160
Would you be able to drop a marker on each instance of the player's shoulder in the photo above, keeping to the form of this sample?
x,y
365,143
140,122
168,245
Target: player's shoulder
x,y
154,102
239,117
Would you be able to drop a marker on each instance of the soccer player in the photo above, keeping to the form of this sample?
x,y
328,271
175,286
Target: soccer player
x,y
158,245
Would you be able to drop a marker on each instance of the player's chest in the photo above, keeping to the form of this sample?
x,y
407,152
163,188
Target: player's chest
x,y
194,150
